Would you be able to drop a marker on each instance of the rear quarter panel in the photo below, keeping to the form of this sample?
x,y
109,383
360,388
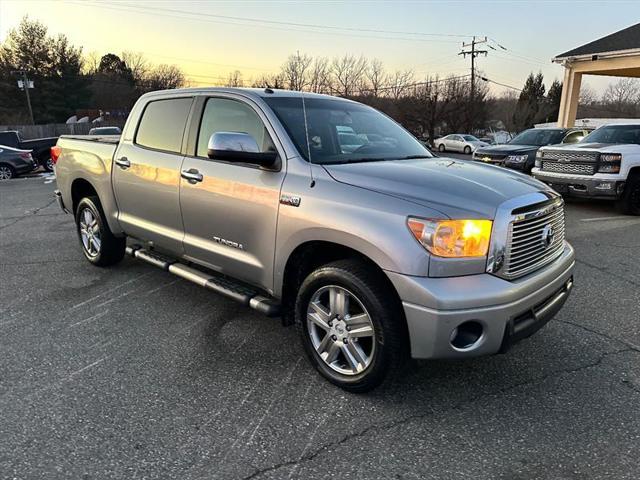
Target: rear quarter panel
x,y
88,160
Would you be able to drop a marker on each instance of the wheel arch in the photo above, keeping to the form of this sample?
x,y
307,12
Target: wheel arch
x,y
81,188
312,254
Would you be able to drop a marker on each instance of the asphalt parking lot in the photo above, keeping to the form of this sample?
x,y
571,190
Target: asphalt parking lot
x,y
129,372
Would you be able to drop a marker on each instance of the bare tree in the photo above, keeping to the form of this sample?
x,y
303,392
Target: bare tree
x,y
295,71
347,74
587,95
138,65
320,75
164,77
398,83
268,81
235,79
376,76
623,96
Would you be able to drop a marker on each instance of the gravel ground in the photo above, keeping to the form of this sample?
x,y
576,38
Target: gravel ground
x,y
129,372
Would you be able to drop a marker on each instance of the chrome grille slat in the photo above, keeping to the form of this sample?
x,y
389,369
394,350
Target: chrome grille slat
x,y
572,168
527,225
526,250
564,156
516,249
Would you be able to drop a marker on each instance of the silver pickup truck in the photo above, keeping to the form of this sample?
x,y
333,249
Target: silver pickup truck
x,y
329,214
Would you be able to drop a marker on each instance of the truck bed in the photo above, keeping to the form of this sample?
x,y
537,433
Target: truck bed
x,y
110,139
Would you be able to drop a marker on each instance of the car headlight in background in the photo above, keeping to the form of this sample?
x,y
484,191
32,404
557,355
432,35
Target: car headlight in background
x,y
610,163
517,158
452,238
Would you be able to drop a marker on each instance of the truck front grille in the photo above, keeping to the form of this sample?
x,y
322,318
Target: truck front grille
x,y
572,168
574,163
535,239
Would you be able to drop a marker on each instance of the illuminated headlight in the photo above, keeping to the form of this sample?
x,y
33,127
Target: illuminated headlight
x,y
517,158
610,163
452,238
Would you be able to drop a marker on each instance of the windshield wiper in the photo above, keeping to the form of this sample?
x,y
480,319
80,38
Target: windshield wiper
x,y
414,157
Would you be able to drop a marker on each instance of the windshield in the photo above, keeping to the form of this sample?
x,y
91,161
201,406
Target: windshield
x,y
343,132
539,137
470,138
614,134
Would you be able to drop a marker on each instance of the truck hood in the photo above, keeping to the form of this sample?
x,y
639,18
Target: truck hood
x,y
598,147
507,149
457,188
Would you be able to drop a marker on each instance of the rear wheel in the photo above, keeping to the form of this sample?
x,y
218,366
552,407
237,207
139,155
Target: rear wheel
x,y
98,244
629,203
441,147
351,327
7,172
47,164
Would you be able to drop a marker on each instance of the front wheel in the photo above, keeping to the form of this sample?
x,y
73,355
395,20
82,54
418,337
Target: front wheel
x,y
7,172
467,150
352,328
98,244
629,203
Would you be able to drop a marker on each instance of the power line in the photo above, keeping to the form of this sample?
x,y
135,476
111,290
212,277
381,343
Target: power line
x,y
501,84
306,25
199,17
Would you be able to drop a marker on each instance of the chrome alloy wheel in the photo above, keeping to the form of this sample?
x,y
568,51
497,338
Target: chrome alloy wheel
x,y
5,173
341,330
90,232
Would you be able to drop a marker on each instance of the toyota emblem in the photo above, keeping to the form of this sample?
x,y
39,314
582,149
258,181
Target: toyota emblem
x,y
548,234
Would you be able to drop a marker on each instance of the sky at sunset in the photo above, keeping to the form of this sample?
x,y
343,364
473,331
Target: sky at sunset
x,y
208,40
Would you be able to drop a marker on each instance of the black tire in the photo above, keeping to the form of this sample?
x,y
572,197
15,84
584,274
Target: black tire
x,y
629,203
7,172
47,163
441,147
384,310
110,249
467,150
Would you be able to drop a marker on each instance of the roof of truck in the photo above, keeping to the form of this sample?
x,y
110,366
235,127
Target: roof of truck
x,y
252,92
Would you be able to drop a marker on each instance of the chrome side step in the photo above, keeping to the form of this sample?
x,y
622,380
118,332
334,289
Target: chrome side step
x,y
237,291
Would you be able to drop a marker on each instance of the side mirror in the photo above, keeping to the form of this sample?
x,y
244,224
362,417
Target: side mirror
x,y
238,147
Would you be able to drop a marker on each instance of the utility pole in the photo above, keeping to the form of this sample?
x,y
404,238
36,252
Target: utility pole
x,y
473,53
26,85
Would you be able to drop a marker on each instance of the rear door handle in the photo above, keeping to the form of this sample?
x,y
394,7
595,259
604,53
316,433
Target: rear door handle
x,y
123,162
192,175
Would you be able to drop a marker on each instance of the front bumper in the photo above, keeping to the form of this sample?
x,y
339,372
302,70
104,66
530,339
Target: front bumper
x,y
586,186
507,311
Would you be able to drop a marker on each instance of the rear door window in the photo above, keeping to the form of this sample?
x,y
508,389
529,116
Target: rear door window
x,y
163,123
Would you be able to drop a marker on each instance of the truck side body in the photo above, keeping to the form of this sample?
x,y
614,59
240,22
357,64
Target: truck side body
x,y
271,227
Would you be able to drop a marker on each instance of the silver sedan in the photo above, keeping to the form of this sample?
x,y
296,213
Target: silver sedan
x,y
458,143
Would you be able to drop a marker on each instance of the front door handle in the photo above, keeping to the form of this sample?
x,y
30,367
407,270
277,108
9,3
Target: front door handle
x,y
192,175
123,162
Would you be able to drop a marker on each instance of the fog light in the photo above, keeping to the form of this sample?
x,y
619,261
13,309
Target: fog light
x,y
466,335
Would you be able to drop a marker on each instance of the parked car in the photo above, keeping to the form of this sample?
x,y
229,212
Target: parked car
x,y
40,147
105,131
375,254
14,162
606,164
520,152
458,143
